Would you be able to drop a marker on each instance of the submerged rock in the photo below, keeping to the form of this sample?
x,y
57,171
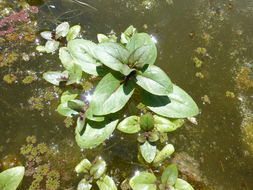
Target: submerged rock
x,y
189,169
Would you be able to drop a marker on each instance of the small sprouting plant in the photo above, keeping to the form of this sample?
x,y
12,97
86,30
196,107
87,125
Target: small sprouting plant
x,y
168,180
94,172
53,37
151,128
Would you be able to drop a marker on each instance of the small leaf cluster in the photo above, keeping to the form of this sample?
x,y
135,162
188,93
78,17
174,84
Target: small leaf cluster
x,y
53,37
94,172
169,180
126,67
150,127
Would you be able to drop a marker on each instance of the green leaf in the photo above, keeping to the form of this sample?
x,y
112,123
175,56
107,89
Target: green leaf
x,y
84,185
102,38
154,80
143,181
92,133
41,49
76,105
164,125
170,175
142,50
66,59
47,35
75,74
148,151
89,115
163,154
182,185
51,46
64,110
153,136
147,122
11,178
68,95
128,33
141,138
62,30
83,53
98,168
130,125
73,32
178,104
106,183
114,56
84,166
110,95
54,77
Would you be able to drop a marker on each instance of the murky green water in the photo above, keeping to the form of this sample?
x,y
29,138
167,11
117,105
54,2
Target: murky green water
x,y
217,142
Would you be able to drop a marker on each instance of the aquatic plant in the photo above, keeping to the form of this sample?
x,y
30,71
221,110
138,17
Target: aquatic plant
x,y
10,78
28,79
133,69
37,165
127,70
168,180
150,128
11,20
94,172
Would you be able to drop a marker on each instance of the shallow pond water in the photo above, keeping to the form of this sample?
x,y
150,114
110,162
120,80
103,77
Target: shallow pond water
x,y
217,34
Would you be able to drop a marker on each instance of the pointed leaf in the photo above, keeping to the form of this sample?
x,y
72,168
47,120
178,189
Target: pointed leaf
x,y
114,56
84,185
130,125
143,181
66,59
102,38
92,133
163,154
178,104
98,168
148,151
110,95
182,185
73,32
154,80
170,175
128,33
142,50
54,77
84,166
165,125
106,183
83,53
62,30
11,178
